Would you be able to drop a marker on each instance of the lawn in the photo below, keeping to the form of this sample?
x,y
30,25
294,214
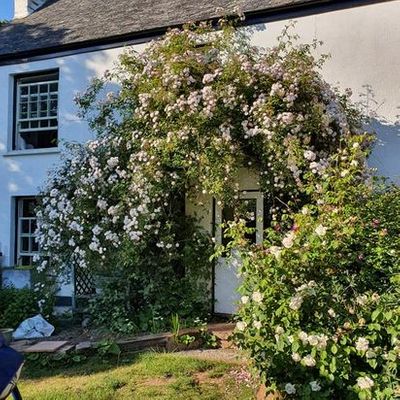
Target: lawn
x,y
145,376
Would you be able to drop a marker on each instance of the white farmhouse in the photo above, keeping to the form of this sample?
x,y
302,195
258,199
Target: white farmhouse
x,y
52,49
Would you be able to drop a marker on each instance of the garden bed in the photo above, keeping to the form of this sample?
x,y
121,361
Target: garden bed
x,y
83,340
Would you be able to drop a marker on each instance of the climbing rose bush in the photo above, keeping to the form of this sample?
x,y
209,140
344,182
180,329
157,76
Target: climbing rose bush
x,y
320,308
190,111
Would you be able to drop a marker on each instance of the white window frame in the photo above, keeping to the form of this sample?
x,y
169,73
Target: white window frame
x,y
19,234
19,143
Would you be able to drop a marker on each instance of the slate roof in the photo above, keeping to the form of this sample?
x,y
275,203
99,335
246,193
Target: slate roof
x,y
62,24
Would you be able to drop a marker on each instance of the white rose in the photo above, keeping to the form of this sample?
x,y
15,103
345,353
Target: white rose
x,y
288,240
322,341
257,297
364,382
309,361
362,344
332,313
244,299
320,230
313,340
315,386
309,155
303,337
241,326
290,389
257,324
275,250
296,302
296,357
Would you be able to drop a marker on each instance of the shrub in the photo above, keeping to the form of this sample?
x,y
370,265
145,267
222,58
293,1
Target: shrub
x,y
320,311
16,305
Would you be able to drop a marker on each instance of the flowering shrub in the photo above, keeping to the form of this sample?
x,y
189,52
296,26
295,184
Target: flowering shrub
x,y
320,310
191,110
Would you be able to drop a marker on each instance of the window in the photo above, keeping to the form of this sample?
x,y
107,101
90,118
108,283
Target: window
x,y
36,111
26,246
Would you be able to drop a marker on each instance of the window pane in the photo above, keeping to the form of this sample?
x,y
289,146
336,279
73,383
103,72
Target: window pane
x,y
25,260
33,89
25,244
53,108
25,226
54,87
24,90
33,226
34,245
44,88
28,208
39,140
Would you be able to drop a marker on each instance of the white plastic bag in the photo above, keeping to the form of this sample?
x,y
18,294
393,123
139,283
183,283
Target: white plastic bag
x,y
33,328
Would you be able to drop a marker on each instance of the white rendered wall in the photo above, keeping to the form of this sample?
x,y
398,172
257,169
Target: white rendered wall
x,y
364,46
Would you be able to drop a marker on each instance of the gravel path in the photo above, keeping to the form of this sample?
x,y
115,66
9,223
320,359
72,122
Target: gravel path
x,y
232,356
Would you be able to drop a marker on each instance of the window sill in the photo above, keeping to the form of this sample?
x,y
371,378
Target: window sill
x,y
12,153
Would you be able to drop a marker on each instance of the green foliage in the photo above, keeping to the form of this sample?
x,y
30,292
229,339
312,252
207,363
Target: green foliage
x,y
320,310
108,348
57,360
208,339
175,325
16,305
186,339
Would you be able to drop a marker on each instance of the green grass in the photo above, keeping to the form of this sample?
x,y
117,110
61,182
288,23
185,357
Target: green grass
x,y
146,376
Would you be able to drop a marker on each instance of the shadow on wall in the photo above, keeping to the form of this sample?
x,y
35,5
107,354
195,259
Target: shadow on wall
x,y
386,154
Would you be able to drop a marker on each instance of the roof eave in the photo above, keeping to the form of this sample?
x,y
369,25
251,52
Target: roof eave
x,y
282,12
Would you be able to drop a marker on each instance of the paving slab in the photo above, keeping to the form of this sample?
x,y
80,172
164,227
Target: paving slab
x,y
21,345
66,349
45,347
83,346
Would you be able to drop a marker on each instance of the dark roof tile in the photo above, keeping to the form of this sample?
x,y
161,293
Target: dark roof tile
x,y
59,23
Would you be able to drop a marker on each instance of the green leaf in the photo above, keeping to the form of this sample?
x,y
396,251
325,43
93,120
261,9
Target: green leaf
x,y
362,395
375,315
332,365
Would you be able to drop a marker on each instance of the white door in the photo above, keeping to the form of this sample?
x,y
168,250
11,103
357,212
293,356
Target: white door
x,y
226,269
